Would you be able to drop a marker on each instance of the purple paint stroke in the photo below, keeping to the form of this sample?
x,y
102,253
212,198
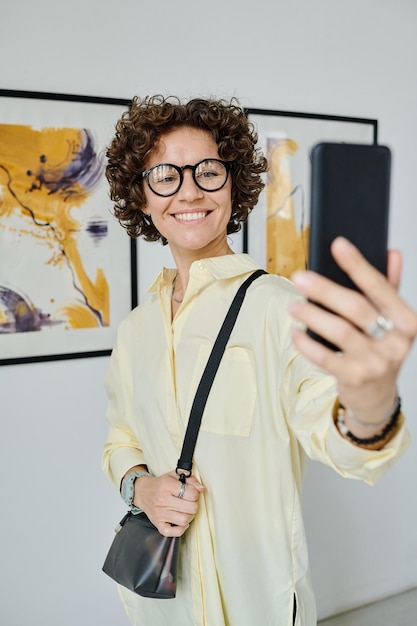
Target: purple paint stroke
x,y
85,170
97,229
22,316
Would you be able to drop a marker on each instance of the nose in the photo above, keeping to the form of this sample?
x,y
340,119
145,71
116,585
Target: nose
x,y
189,190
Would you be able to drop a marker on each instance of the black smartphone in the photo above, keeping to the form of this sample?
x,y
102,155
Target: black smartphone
x,y
350,187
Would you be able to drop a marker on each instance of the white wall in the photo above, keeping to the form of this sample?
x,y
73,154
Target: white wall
x,y
351,58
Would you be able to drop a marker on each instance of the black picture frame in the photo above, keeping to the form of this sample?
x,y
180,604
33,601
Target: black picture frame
x,y
276,233
68,270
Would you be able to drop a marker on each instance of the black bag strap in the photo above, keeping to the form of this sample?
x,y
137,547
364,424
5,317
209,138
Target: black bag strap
x,y
185,461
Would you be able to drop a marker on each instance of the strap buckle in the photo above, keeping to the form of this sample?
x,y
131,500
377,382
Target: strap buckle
x,y
182,474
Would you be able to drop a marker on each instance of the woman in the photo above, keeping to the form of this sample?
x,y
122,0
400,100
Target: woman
x,y
187,175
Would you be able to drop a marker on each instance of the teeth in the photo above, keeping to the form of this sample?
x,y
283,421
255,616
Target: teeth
x,y
190,217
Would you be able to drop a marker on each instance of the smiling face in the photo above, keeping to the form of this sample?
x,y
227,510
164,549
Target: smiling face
x,y
193,221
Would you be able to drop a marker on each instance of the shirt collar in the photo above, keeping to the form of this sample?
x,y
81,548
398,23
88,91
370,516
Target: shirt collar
x,y
220,267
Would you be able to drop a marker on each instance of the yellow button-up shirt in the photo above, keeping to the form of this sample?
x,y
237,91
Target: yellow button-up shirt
x,y
244,557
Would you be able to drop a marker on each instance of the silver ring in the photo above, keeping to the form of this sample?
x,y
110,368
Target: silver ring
x,y
380,327
182,490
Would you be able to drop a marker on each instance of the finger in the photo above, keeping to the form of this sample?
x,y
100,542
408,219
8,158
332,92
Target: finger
x,y
179,518
185,492
317,352
380,294
366,277
352,368
381,291
192,480
183,487
175,511
394,268
345,310
192,493
347,337
351,338
171,530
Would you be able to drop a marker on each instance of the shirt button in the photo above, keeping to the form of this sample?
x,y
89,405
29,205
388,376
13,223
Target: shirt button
x,y
201,265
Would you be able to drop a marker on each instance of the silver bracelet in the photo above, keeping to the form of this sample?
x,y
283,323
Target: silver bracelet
x,y
351,415
387,431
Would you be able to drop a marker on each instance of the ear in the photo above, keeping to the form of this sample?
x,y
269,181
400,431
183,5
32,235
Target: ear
x,y
147,215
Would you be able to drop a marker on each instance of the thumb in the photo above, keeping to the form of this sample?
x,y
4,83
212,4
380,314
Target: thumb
x,y
195,483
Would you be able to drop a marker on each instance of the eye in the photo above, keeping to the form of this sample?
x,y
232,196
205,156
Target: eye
x,y
164,175
207,174
209,169
168,178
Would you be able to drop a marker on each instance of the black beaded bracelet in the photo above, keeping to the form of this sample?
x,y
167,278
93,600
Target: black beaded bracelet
x,y
340,423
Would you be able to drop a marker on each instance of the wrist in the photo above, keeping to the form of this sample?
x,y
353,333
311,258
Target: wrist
x,y
137,506
370,435
128,490
363,427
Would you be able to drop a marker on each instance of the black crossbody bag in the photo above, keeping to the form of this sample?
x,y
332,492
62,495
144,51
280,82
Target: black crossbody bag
x,y
140,558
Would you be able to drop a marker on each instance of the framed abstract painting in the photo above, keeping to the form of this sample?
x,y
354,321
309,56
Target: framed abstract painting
x,y
277,231
67,268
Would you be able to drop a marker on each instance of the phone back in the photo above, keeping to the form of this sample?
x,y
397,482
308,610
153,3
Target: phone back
x,y
349,197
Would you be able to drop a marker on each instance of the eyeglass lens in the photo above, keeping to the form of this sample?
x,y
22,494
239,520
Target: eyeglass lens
x,y
166,179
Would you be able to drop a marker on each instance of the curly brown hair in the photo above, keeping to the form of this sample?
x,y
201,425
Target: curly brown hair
x,y
137,134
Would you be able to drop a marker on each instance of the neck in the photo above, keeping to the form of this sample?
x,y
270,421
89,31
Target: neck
x,y
185,258
175,288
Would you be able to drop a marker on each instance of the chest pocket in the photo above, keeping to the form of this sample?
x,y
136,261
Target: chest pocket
x,y
231,402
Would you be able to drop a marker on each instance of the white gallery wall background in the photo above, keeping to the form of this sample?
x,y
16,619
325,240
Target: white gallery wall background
x,y
355,58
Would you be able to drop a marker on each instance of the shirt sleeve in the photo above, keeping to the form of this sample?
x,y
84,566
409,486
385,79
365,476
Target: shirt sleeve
x,y
311,395
121,449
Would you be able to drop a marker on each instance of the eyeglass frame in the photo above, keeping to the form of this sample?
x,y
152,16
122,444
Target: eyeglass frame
x,y
180,169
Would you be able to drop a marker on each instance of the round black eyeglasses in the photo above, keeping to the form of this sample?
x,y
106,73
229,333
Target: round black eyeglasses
x,y
166,179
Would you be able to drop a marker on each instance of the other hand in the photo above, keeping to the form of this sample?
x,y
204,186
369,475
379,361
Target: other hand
x,y
160,498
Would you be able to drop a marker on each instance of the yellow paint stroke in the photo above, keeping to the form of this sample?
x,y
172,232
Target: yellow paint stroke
x,y
31,156
78,316
286,245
